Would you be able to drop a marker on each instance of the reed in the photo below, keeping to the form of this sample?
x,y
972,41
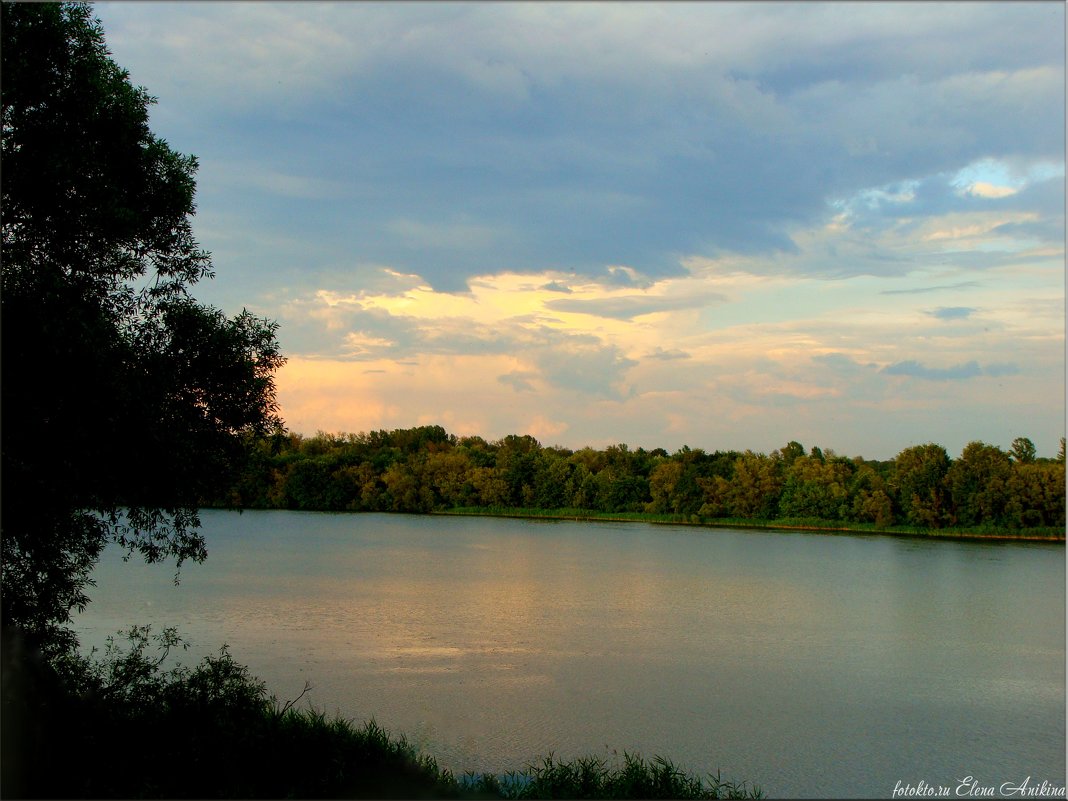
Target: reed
x,y
594,777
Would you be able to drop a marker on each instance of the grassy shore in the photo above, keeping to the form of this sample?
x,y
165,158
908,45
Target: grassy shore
x,y
1044,534
122,726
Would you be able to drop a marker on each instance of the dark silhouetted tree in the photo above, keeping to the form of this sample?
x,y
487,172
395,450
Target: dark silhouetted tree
x,y
124,400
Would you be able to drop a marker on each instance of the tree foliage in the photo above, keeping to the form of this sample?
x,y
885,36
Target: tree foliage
x,y
922,487
124,399
918,480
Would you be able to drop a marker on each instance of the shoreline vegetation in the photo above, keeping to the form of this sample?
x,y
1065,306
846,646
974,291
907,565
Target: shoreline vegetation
x,y
217,734
1050,534
986,493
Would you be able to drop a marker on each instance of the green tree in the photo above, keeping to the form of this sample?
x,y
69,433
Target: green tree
x,y
448,474
753,490
406,488
663,481
124,400
490,486
690,491
372,491
790,451
917,483
816,487
1035,495
870,497
979,484
583,487
552,477
480,452
517,459
593,461
1023,450
620,491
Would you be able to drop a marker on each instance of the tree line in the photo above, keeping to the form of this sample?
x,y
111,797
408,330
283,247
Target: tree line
x,y
426,469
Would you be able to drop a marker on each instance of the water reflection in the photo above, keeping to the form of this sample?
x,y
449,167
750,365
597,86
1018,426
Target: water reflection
x,y
778,657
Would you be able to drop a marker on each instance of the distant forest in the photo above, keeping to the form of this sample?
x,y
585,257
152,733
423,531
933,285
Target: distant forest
x,y
426,469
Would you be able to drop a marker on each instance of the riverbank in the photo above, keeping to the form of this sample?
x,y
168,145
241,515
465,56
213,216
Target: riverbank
x,y
215,733
1044,534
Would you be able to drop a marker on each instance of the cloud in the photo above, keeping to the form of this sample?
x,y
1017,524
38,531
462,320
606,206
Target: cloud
x,y
668,355
984,189
519,381
590,370
542,428
623,276
627,307
360,344
952,312
294,186
959,371
998,370
470,139
556,286
916,370
614,217
452,236
841,363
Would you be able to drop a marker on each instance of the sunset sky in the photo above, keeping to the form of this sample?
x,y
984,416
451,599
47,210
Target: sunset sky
x,y
707,224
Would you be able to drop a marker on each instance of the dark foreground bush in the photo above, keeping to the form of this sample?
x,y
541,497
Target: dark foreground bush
x,y
125,727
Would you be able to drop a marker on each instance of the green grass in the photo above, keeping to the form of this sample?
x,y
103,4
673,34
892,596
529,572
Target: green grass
x,y
1045,533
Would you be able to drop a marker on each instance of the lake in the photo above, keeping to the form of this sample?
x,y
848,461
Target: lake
x,y
814,665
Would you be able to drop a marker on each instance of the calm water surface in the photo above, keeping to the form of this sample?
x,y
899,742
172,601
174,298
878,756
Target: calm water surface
x,y
814,665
